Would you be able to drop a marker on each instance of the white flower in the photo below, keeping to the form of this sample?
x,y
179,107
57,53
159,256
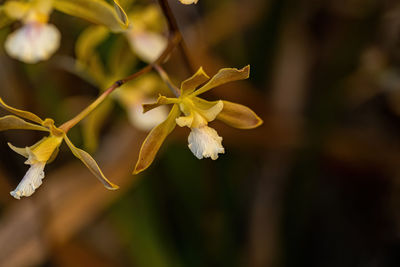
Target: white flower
x,y
33,42
188,2
205,142
31,181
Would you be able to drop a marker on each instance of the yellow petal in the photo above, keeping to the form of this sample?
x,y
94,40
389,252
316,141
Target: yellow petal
x,y
21,113
11,122
188,2
96,11
189,85
162,100
239,116
27,151
224,76
91,164
154,140
44,151
209,110
121,12
23,151
16,10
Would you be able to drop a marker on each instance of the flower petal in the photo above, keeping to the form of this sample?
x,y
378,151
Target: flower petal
x,y
154,140
33,42
31,181
188,2
11,122
96,11
190,84
16,10
209,110
239,116
161,100
224,76
21,113
91,164
121,12
205,142
44,150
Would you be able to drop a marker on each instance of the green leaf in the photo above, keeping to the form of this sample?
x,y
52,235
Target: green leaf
x,y
11,122
95,11
239,116
224,76
21,113
90,163
154,140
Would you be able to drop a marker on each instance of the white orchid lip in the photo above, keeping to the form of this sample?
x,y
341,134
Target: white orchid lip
x,y
204,142
33,42
31,181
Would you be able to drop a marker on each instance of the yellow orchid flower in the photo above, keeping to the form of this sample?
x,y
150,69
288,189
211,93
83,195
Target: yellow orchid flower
x,y
203,140
37,39
43,151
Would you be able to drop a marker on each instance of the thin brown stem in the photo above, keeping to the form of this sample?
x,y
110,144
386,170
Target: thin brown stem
x,y
173,28
174,89
173,41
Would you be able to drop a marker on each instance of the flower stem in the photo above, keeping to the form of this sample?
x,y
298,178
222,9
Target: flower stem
x,y
175,90
173,27
173,41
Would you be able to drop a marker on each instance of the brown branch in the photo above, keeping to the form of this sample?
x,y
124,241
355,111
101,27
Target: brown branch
x,y
173,41
173,28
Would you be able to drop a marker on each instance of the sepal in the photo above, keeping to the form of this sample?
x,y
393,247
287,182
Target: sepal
x,y
91,164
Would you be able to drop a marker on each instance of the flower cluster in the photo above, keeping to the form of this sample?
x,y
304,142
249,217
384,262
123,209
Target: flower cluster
x,y
37,40
44,151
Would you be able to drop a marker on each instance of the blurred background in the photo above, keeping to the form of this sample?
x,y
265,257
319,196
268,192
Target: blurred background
x,y
318,184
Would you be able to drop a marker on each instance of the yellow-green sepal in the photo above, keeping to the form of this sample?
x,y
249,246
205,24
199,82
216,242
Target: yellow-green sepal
x,y
91,164
161,100
11,122
15,10
45,149
21,113
121,12
154,140
96,11
224,76
239,116
189,85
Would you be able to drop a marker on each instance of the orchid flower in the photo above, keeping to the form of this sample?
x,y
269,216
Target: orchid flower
x,y
204,141
38,40
44,151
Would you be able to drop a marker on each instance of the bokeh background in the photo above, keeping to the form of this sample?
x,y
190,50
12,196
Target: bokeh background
x,y
316,185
